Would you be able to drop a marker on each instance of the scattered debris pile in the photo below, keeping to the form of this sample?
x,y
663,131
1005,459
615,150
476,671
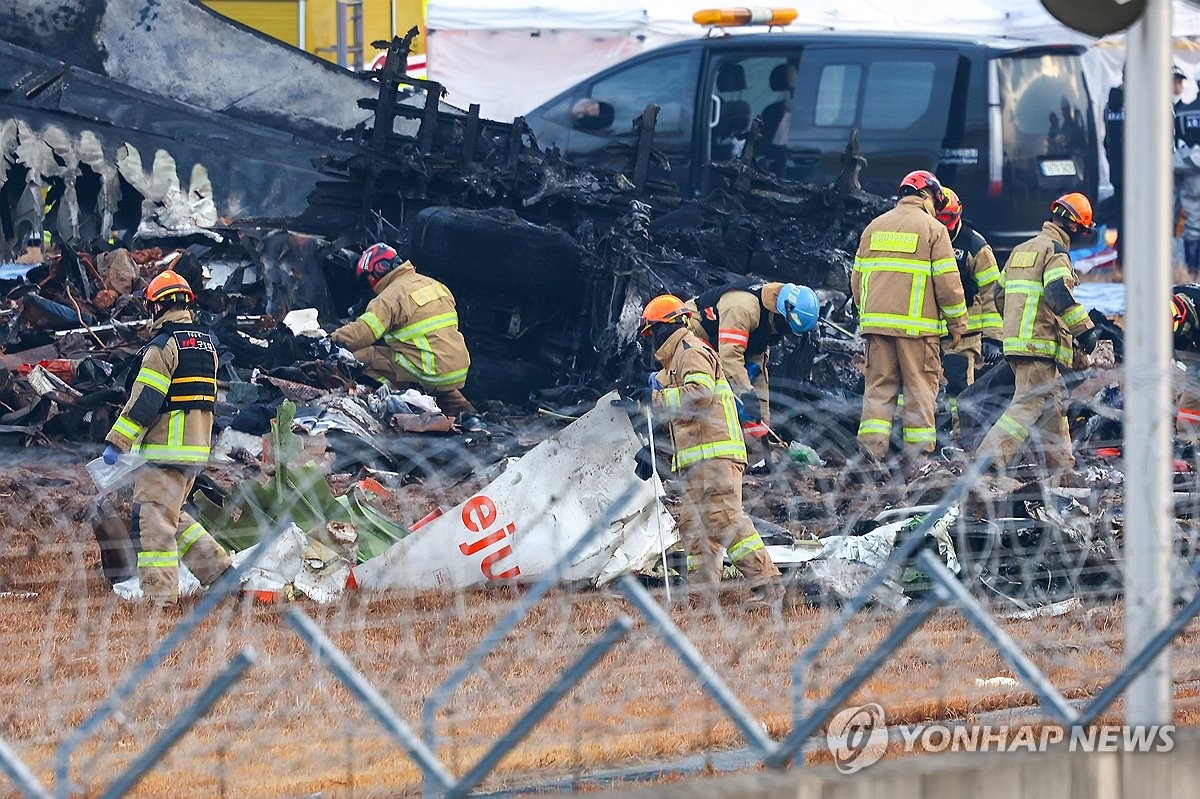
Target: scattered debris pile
x,y
105,181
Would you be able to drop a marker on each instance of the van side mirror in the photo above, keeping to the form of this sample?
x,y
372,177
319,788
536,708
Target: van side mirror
x,y
591,114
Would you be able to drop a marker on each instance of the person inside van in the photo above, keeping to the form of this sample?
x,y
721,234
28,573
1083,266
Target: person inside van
x,y
1114,151
1070,136
777,119
733,118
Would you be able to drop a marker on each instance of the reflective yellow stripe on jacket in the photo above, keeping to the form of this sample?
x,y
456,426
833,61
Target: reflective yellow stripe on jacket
x,y
155,380
732,446
984,320
914,322
417,334
1025,343
206,384
372,321
174,450
128,428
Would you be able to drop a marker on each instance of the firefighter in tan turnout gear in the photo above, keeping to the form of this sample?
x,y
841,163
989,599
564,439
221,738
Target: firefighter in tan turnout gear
x,y
905,284
168,419
979,272
1041,318
710,453
409,333
743,320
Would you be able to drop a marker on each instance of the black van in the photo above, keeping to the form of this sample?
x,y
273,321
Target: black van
x,y
1007,124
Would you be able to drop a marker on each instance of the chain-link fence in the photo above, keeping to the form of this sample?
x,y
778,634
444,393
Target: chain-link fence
x,y
934,592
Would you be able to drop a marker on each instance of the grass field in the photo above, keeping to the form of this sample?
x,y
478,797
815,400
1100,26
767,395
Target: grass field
x,y
289,728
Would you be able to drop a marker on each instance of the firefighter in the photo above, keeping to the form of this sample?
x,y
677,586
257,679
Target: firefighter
x,y
745,319
905,284
1185,329
168,419
978,272
710,453
1041,321
409,333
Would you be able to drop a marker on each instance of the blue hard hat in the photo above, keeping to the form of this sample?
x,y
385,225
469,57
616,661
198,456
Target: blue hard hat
x,y
800,306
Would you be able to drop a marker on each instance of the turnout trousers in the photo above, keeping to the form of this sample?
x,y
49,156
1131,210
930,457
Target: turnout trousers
x,y
713,521
164,534
895,364
381,364
1039,402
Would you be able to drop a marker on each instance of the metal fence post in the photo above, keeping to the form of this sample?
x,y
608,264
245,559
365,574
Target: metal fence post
x,y
1147,419
1141,659
361,687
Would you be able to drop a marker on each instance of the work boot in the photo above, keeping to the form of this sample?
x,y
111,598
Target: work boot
x,y
767,597
163,602
866,469
922,466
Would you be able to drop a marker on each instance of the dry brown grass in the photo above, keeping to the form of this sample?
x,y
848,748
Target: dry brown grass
x,y
290,729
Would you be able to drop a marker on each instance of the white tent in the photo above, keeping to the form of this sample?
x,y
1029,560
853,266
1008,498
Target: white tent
x,y
510,57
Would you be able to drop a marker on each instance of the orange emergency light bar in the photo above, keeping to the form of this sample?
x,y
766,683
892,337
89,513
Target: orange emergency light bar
x,y
733,17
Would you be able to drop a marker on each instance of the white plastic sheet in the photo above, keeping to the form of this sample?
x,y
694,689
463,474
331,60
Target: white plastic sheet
x,y
131,590
303,322
522,523
110,477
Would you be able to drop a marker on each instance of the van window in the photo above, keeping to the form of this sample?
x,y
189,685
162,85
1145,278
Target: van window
x,y
583,121
744,88
667,82
883,90
837,95
897,97
897,94
1045,105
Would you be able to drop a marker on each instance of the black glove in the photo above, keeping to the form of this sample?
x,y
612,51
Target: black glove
x,y
631,406
644,460
633,400
993,351
751,411
1087,340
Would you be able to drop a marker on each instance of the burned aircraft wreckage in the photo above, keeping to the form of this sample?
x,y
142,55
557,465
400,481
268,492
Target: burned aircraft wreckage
x,y
272,171
133,128
123,122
